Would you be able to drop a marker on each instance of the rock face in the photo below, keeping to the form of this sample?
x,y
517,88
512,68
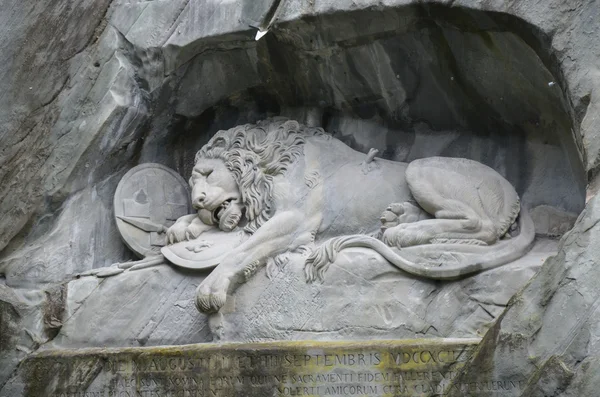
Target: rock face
x,y
362,297
149,307
158,78
548,336
28,319
91,89
377,368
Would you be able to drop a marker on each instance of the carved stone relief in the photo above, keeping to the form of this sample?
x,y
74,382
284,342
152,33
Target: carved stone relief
x,y
148,200
97,87
264,191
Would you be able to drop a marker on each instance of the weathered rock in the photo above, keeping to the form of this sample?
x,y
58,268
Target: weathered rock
x,y
93,88
28,318
415,367
421,81
153,306
548,336
47,101
364,297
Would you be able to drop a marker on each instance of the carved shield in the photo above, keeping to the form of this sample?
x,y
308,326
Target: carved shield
x,y
205,252
149,199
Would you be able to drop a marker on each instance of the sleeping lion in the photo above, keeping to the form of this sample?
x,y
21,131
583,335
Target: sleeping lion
x,y
293,187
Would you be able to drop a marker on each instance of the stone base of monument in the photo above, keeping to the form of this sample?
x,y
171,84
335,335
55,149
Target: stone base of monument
x,y
426,367
362,297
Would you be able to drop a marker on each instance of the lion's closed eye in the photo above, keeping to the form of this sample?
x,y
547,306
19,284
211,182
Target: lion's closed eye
x,y
205,171
200,173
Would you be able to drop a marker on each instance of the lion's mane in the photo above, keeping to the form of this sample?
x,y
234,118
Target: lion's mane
x,y
255,154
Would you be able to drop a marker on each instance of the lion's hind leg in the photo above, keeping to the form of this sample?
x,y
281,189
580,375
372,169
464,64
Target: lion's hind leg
x,y
465,230
452,198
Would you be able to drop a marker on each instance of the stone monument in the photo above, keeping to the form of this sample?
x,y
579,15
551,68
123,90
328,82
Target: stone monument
x,y
299,198
284,185
283,196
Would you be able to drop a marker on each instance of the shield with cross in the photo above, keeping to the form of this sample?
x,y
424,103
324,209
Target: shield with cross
x,y
149,199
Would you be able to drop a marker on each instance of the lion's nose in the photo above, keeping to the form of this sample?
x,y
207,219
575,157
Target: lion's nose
x,y
199,201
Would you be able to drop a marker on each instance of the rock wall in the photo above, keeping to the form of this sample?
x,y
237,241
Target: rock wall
x,y
93,88
155,79
548,336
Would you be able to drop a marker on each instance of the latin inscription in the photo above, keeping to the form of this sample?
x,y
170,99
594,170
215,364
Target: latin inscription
x,y
324,369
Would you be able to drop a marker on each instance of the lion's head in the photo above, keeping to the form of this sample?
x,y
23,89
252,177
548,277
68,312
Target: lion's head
x,y
233,173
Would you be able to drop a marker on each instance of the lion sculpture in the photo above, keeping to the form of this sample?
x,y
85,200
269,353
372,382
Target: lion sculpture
x,y
291,187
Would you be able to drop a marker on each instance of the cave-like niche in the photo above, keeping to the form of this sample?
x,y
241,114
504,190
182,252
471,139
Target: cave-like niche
x,y
414,82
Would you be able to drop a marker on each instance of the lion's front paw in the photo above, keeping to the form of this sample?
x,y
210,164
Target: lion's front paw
x,y
212,293
176,233
194,230
184,231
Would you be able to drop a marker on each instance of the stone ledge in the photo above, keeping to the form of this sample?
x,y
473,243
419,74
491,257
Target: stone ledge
x,y
417,367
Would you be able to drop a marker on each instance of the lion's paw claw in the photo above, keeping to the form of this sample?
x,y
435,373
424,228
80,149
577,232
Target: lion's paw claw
x,y
176,233
397,208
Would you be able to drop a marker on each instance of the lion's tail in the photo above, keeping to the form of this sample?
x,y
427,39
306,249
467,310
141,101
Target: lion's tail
x,y
480,258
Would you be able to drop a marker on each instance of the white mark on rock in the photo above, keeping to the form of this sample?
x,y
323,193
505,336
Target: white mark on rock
x,y
260,34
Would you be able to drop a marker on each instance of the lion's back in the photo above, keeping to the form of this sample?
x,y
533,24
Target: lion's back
x,y
353,193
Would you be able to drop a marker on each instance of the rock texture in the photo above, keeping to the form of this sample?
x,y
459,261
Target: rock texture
x,y
28,319
151,81
251,370
91,89
148,307
548,337
362,297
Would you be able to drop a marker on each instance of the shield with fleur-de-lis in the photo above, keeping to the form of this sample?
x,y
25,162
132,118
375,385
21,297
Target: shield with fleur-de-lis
x,y
149,199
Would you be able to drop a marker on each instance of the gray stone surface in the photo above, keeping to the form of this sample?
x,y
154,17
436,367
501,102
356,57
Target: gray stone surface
x,y
406,368
28,319
91,89
548,337
146,307
166,74
362,297
148,200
